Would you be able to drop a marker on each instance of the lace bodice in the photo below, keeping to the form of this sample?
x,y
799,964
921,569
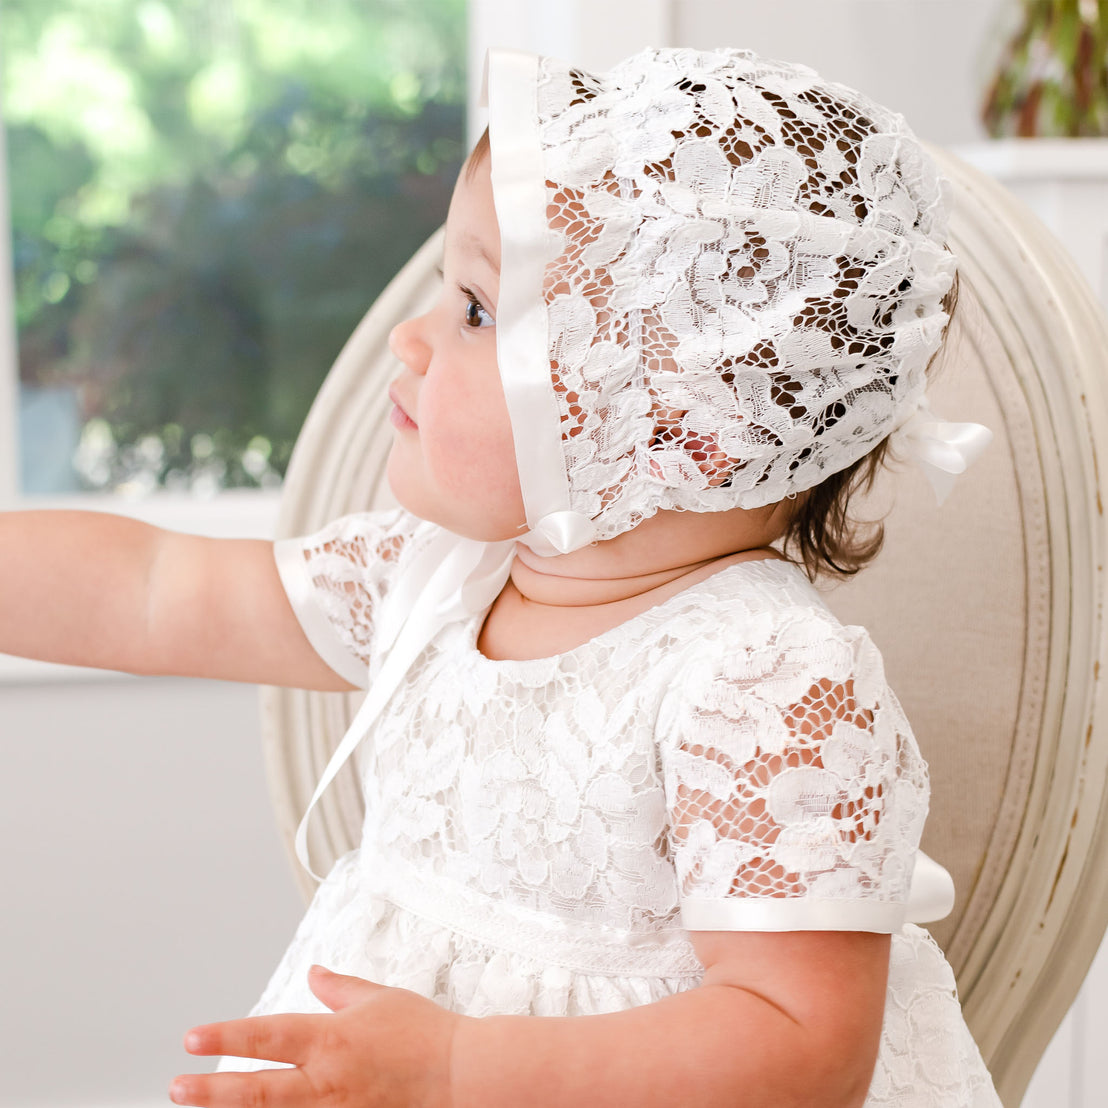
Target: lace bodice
x,y
733,754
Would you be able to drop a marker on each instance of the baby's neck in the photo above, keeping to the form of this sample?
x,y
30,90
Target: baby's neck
x,y
569,584
551,605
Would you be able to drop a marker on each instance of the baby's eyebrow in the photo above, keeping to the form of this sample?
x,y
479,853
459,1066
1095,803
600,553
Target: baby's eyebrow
x,y
468,241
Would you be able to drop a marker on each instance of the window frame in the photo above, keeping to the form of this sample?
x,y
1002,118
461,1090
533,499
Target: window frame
x,y
9,354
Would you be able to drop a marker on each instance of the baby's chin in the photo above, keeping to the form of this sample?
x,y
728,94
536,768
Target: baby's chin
x,y
490,515
452,516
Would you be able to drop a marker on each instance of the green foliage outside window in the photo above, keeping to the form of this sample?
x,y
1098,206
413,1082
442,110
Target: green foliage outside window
x,y
1051,78
206,195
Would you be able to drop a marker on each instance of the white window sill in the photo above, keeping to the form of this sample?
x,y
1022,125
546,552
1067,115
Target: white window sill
x,y
236,513
1051,159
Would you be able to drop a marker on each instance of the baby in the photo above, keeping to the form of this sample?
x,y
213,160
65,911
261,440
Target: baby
x,y
642,817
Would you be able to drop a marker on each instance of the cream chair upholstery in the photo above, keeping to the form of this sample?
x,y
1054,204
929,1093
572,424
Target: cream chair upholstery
x,y
989,612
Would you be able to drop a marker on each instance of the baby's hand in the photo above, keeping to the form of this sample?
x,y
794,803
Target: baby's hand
x,y
380,1047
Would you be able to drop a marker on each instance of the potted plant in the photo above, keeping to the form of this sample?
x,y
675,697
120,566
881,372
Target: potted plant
x,y
1045,108
1052,76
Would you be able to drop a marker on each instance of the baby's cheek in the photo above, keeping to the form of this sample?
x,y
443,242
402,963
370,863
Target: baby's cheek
x,y
475,469
466,439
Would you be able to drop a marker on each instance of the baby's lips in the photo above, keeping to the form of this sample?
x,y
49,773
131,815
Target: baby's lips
x,y
400,416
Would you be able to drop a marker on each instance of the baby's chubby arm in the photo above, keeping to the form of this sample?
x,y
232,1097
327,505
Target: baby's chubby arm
x,y
781,1020
93,589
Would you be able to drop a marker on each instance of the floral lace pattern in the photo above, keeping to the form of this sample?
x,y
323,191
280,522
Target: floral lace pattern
x,y
744,281
349,572
791,772
534,829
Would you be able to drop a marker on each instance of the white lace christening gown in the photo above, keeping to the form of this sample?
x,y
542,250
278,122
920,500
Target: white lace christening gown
x,y
539,834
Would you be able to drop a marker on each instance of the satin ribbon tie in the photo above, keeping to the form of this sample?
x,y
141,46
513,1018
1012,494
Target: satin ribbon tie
x,y
943,450
447,579
560,533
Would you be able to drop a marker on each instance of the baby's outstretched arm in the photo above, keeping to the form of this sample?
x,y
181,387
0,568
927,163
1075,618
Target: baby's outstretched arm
x,y
784,1020
92,589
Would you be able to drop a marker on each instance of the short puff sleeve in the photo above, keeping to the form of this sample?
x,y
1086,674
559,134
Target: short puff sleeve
x,y
795,789
336,579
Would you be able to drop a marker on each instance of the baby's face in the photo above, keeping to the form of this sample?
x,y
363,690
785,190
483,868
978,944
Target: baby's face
x,y
453,458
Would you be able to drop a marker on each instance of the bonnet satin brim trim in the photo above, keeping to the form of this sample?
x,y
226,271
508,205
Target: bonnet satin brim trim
x,y
519,194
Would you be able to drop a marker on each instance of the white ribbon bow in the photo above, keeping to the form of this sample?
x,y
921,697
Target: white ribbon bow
x,y
560,533
943,450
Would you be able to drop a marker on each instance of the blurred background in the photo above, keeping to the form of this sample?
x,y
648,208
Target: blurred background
x,y
199,200
203,199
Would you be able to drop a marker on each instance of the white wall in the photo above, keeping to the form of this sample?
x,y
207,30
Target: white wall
x,y
144,887
923,58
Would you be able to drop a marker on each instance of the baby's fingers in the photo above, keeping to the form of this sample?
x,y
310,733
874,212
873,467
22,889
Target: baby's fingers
x,y
265,1089
283,1038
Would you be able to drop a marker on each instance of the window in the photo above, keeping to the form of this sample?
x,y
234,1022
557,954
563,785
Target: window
x,y
205,197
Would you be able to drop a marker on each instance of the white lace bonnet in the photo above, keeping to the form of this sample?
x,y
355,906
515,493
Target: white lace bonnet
x,y
722,281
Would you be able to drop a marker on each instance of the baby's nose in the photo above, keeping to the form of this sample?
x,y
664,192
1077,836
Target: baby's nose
x,y
407,344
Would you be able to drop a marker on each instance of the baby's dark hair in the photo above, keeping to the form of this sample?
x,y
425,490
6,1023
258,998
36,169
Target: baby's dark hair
x,y
477,155
822,536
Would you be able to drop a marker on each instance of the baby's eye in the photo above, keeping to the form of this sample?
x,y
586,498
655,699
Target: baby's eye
x,y
476,314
